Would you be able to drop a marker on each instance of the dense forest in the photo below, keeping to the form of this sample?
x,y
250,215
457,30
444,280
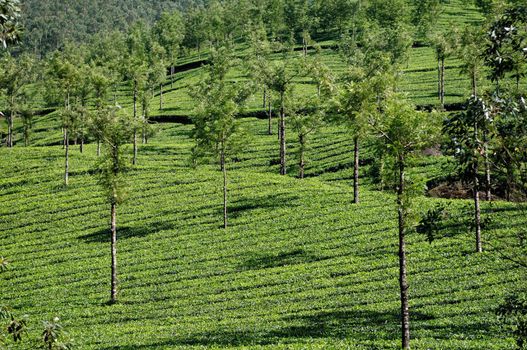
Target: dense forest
x,y
48,25
275,174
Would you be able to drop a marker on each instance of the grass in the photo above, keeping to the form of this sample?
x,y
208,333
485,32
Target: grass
x,y
300,266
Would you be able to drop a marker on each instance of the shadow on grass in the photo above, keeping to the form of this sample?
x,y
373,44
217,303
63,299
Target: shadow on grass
x,y
264,261
245,205
103,236
361,326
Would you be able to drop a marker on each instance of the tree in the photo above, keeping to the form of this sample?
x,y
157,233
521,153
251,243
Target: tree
x,y
306,118
9,17
135,70
195,31
169,32
321,75
296,14
402,131
443,45
115,130
15,75
470,51
63,76
53,335
356,104
466,131
278,76
216,130
425,15
100,86
335,14
107,54
509,156
259,55
505,50
155,76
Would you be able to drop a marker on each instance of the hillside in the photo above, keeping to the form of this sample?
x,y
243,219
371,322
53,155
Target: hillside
x,y
300,265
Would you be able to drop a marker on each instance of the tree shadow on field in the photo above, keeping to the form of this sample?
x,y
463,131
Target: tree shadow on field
x,y
241,207
361,326
292,257
103,236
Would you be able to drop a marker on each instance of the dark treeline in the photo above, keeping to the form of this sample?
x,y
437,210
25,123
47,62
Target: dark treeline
x,y
49,24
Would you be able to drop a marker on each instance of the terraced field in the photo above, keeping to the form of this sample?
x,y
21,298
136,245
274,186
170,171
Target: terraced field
x,y
299,267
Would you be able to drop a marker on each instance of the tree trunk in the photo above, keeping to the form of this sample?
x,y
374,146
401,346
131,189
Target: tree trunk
x,y
172,75
356,170
113,293
443,81
143,131
488,195
264,98
10,129
301,164
134,160
474,84
475,189
477,211
403,283
81,147
224,170
439,78
270,113
98,148
508,187
283,169
67,156
26,135
161,96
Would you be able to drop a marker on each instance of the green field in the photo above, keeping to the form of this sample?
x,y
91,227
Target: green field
x,y
300,266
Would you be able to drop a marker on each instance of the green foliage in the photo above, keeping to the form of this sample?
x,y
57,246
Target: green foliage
x,y
466,133
4,263
53,334
169,33
78,22
403,130
425,14
513,314
506,43
217,131
9,22
14,327
115,129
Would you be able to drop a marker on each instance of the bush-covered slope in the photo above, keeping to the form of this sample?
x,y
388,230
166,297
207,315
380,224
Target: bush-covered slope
x,y
300,266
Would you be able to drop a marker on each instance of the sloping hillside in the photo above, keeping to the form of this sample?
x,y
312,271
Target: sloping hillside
x,y
300,266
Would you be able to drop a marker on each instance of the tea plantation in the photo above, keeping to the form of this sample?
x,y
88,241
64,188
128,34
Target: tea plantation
x,y
300,266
